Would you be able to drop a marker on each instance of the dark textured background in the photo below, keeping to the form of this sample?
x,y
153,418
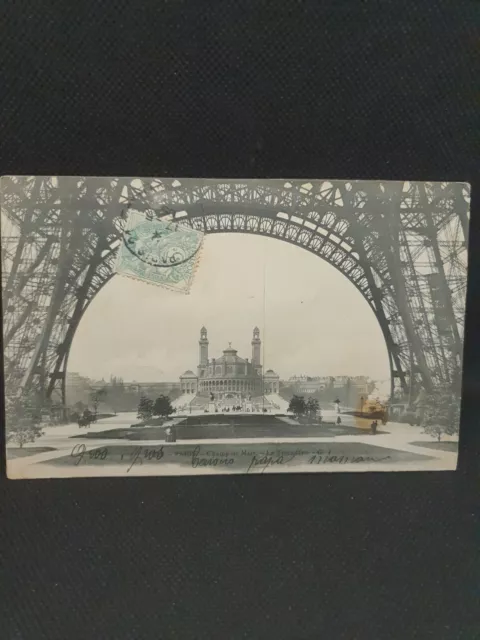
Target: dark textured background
x,y
249,89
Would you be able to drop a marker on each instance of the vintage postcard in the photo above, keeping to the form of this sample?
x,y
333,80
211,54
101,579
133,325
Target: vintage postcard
x,y
171,326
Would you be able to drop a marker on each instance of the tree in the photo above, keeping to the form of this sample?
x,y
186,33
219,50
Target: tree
x,y
348,392
117,396
312,407
162,407
96,396
297,406
57,413
24,417
79,407
145,408
441,412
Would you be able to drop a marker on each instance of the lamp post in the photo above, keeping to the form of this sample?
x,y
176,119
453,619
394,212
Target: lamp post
x,y
263,392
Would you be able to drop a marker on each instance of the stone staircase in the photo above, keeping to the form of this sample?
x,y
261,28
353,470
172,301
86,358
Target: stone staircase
x,y
279,403
199,402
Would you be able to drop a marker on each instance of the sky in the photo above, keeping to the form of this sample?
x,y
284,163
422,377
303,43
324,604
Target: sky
x,y
312,320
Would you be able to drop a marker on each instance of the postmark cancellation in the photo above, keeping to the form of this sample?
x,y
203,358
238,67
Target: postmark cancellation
x,y
161,252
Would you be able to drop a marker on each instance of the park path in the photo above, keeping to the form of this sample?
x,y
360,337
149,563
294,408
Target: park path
x,y
61,439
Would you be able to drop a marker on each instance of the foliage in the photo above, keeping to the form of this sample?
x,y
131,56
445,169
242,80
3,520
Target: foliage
x,y
23,419
21,434
145,408
436,431
441,412
162,407
312,407
96,396
407,417
57,413
297,406
121,396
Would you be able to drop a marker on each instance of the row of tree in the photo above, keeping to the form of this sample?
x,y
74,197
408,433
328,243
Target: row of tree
x,y
118,396
438,412
301,407
161,407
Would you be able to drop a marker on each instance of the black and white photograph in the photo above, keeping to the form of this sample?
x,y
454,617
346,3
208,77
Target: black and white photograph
x,y
171,326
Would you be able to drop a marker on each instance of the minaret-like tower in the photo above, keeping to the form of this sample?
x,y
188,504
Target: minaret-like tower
x,y
203,344
256,344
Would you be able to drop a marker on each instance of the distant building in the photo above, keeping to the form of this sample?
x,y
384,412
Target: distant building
x,y
158,388
229,376
152,388
314,384
362,384
77,388
308,384
271,382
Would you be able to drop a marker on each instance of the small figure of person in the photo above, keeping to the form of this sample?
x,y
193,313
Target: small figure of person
x,y
170,435
374,426
339,420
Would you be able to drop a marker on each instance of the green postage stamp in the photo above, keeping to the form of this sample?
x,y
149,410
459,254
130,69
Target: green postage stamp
x,y
159,251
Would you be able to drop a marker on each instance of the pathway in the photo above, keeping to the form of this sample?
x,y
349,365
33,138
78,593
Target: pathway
x,y
62,439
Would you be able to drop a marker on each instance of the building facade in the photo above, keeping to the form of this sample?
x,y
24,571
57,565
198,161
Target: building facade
x,y
308,384
229,376
304,384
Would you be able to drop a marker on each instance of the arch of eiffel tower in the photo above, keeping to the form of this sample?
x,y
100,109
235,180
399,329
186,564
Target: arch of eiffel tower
x,y
401,244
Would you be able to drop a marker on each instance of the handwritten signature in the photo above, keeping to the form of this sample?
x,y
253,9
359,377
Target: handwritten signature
x,y
80,454
145,454
326,458
210,461
259,462
137,456
262,463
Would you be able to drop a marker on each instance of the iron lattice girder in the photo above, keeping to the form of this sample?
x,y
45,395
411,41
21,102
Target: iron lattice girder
x,y
353,225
